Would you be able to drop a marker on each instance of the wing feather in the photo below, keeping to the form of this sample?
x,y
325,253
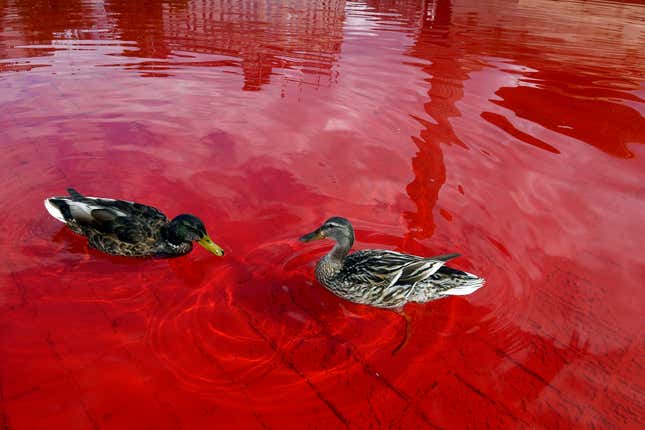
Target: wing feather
x,y
128,221
390,269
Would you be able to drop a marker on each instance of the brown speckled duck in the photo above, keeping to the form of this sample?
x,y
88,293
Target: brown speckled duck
x,y
385,279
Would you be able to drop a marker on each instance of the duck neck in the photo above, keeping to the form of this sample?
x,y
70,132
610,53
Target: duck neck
x,y
169,233
332,263
340,250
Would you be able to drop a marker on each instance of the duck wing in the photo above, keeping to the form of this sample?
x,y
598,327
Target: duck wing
x,y
390,269
131,222
126,228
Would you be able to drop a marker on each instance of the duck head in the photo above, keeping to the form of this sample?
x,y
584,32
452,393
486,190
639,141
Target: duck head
x,y
336,228
189,228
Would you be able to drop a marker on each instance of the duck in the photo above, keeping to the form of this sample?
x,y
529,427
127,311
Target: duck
x,y
382,278
120,227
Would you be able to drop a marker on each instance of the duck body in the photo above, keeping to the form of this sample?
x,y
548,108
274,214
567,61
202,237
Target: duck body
x,y
125,228
382,278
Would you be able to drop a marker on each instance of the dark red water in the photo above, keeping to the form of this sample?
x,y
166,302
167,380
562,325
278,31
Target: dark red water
x,y
509,131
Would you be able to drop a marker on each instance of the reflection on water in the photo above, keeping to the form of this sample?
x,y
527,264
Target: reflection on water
x,y
257,36
509,131
442,59
263,36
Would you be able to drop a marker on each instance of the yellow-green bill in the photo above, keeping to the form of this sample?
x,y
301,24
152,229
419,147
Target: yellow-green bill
x,y
208,243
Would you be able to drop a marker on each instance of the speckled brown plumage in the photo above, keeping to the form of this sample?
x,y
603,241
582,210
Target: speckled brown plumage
x,y
383,278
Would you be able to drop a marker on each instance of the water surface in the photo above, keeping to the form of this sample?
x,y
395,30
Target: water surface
x,y
509,131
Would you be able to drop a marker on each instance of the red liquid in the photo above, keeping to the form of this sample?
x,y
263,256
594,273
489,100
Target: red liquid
x,y
511,132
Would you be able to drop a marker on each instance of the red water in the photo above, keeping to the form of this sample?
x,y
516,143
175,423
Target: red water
x,y
509,131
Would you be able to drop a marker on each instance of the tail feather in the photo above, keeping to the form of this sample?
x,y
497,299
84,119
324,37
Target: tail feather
x,y
464,285
445,257
74,194
54,210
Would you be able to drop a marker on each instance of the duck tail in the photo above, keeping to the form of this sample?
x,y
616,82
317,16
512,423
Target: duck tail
x,y
459,283
465,286
56,207
74,194
59,207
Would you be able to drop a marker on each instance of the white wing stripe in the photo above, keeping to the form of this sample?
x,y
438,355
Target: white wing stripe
x,y
85,209
396,278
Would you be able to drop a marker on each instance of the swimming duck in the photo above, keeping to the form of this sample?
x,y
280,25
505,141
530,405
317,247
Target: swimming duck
x,y
119,227
385,279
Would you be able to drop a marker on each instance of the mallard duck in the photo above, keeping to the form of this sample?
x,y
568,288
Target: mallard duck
x,y
131,229
385,279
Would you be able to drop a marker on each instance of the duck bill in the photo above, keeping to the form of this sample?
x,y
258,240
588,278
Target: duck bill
x,y
208,243
314,235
